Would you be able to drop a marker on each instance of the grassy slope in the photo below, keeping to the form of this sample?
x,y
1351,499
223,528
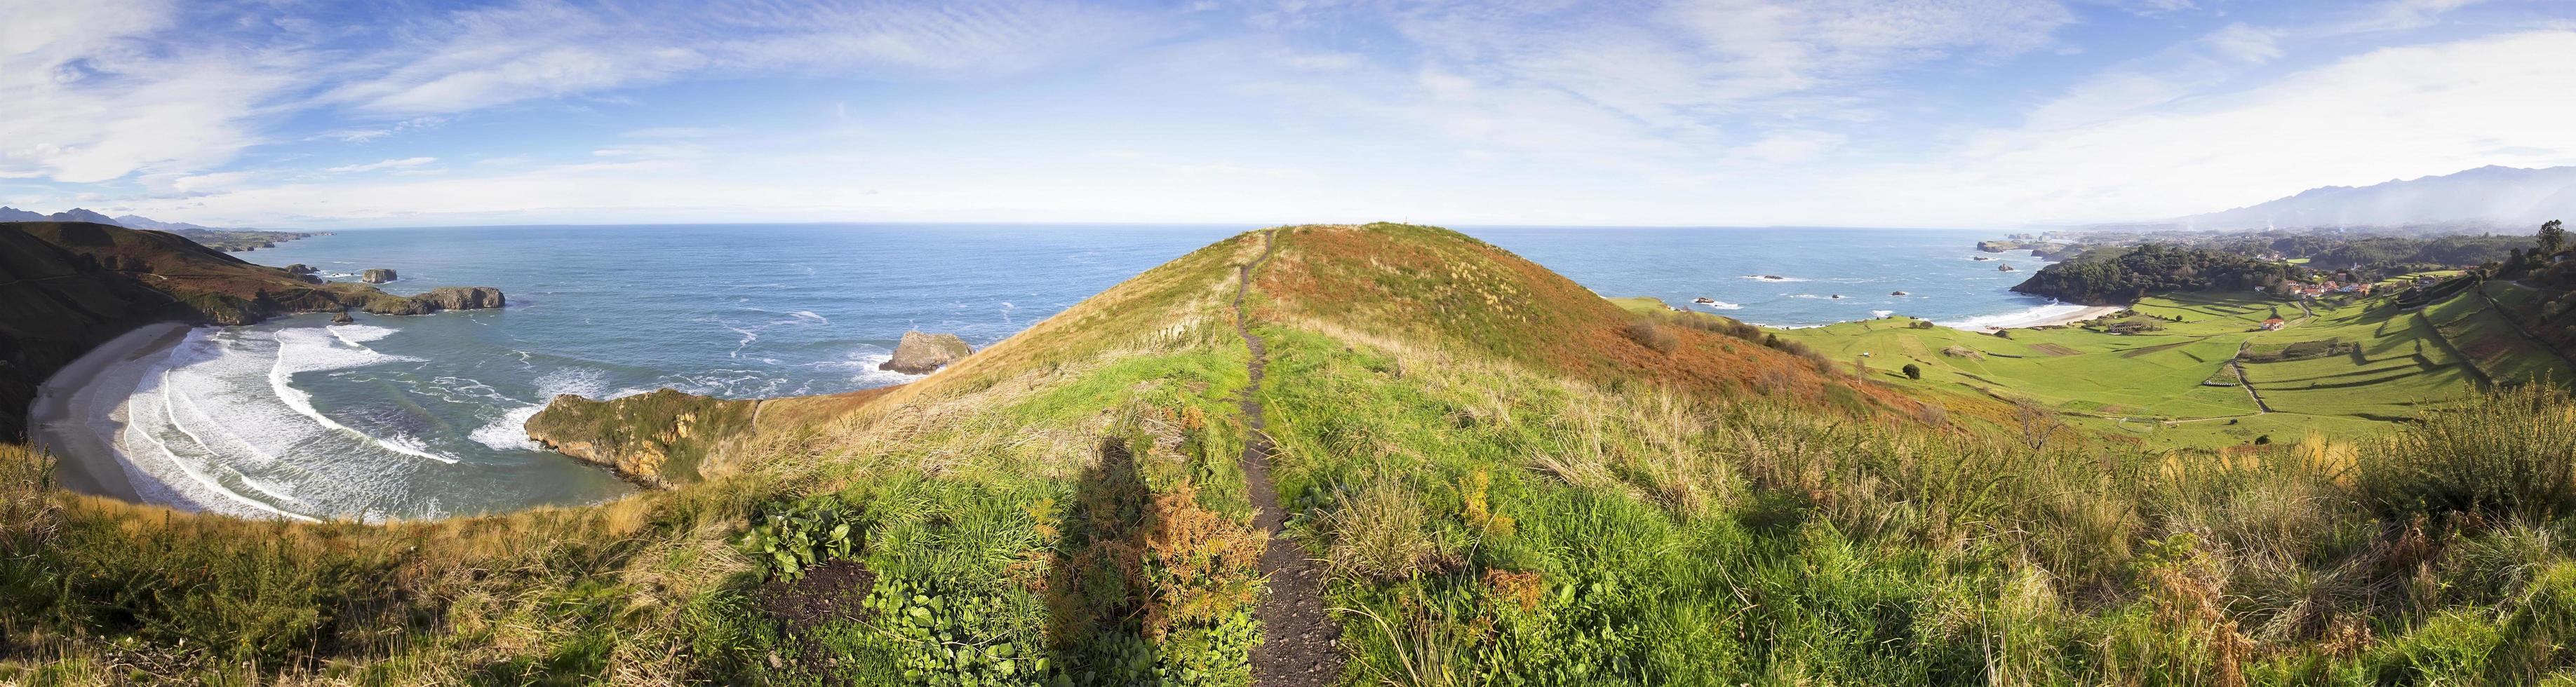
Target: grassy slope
x,y
1509,488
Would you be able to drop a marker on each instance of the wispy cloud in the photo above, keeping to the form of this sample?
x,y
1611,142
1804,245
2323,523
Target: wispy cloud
x,y
404,163
92,98
538,49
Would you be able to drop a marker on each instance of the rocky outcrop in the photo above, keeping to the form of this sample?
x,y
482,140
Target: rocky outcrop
x,y
463,297
376,275
436,300
920,353
343,318
661,439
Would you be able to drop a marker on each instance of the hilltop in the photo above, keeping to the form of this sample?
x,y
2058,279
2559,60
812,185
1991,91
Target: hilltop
x,y
1367,455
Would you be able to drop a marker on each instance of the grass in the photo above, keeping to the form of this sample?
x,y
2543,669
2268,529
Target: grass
x,y
1505,494
2349,366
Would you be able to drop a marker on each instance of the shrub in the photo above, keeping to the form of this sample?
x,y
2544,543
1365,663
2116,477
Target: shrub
x,y
1646,333
1380,532
1913,371
2512,452
790,537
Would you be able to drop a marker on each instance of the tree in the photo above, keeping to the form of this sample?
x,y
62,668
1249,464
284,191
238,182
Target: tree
x,y
1913,371
2038,423
2552,238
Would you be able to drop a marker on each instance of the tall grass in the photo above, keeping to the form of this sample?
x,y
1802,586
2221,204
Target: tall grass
x,y
2511,453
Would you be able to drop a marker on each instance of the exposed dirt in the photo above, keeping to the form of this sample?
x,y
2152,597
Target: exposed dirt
x,y
1296,636
832,591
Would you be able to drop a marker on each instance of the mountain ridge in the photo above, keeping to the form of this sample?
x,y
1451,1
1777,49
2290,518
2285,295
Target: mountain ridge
x,y
2493,195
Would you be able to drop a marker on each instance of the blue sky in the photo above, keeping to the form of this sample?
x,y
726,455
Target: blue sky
x,y
1967,113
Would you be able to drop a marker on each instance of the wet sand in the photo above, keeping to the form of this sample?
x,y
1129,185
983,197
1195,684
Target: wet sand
x,y
92,387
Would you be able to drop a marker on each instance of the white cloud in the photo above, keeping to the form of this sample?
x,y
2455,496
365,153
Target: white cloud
x,y
536,49
2245,44
1793,146
404,163
2387,114
91,99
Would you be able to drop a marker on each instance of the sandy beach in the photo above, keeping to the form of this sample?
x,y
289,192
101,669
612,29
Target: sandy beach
x,y
2035,317
91,387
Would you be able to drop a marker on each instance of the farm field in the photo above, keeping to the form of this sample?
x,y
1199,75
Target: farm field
x,y
2341,366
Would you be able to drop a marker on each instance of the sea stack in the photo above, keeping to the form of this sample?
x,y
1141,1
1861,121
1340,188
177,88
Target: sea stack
x,y
343,318
438,299
920,353
377,275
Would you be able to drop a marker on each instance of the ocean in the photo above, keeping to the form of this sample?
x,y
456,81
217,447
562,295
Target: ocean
x,y
418,417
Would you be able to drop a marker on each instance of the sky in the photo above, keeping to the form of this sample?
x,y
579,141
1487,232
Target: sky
x,y
1924,113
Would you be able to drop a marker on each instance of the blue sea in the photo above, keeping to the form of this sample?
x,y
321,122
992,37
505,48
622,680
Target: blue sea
x,y
419,417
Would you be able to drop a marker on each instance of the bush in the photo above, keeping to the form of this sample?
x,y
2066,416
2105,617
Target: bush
x,y
1380,532
2512,452
1646,333
1913,371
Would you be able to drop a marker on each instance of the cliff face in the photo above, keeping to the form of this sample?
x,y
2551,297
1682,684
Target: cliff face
x,y
442,298
661,439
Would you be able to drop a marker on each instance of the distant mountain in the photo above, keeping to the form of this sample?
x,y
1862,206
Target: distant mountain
x,y
80,215
2501,196
10,214
142,222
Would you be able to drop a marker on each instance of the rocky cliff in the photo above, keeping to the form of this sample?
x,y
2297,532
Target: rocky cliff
x,y
438,299
661,439
920,353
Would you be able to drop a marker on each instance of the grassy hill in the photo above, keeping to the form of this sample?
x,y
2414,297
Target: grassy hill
x,y
1479,473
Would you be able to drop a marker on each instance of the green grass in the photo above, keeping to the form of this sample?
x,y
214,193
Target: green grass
x,y
2347,366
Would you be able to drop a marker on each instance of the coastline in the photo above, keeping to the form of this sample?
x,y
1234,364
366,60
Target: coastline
x,y
2043,316
58,422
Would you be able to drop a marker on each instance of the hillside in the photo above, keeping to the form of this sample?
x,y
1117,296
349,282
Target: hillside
x,y
66,287
228,240
2486,196
2200,369
1384,454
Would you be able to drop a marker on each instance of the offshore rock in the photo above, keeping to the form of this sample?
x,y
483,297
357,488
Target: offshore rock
x,y
920,353
377,275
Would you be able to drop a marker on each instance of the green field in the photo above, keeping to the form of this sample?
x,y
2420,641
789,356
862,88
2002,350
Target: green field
x,y
2344,366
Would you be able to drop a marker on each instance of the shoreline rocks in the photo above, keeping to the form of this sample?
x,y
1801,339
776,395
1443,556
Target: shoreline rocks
x,y
919,353
436,300
377,275
660,439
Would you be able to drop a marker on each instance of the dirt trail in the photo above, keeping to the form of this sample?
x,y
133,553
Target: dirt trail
x,y
1296,637
2248,382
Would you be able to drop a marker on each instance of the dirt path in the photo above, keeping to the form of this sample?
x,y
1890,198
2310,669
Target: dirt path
x,y
1296,637
2259,405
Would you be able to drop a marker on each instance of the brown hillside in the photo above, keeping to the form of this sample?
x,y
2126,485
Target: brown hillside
x,y
1436,284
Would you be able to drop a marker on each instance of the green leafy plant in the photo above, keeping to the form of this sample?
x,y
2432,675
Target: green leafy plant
x,y
787,539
